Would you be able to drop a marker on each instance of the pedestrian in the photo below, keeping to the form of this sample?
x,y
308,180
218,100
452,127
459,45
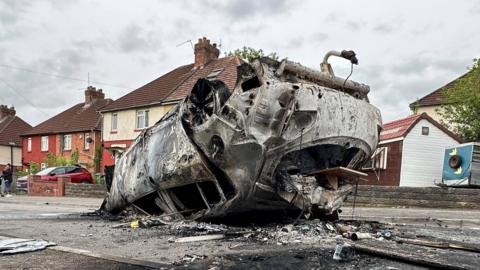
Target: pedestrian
x,y
1,186
7,176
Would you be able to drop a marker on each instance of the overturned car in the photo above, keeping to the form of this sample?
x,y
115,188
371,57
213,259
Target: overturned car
x,y
286,138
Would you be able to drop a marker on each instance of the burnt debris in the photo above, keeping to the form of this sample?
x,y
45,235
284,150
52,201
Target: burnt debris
x,y
287,138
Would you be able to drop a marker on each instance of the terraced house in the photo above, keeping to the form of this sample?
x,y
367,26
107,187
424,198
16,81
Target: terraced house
x,y
75,131
126,117
11,126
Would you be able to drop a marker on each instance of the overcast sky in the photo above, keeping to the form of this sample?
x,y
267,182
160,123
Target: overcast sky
x,y
406,48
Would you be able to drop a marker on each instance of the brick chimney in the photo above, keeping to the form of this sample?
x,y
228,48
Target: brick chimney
x,y
92,94
6,111
205,52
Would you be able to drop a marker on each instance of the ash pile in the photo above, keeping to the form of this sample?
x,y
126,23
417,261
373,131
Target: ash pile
x,y
286,139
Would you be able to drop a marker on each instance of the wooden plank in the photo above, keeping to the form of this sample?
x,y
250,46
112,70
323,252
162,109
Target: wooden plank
x,y
442,259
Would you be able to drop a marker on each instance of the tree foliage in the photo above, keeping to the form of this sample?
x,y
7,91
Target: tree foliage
x,y
54,161
249,54
461,111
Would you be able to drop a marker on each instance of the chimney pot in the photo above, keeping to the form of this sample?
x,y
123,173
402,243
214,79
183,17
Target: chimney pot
x,y
92,94
205,52
6,111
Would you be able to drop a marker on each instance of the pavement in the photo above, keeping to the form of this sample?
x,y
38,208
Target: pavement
x,y
32,207
100,241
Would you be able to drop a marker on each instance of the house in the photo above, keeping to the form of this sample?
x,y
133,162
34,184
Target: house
x,y
126,117
75,131
11,126
410,152
433,101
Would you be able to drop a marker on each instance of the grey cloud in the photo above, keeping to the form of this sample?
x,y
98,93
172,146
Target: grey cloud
x,y
331,17
419,30
419,65
12,10
475,8
242,9
319,37
134,38
384,28
355,25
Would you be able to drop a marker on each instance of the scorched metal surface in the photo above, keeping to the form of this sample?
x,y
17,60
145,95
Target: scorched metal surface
x,y
224,151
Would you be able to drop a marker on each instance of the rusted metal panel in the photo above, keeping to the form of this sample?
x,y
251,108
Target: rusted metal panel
x,y
223,151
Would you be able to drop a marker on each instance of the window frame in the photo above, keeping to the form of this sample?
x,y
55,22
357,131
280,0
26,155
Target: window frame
x,y
114,120
378,160
144,121
64,146
425,131
29,144
86,145
44,144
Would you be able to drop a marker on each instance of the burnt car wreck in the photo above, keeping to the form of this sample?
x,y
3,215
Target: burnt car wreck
x,y
286,138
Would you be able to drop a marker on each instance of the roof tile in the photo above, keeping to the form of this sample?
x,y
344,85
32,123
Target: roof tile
x,y
176,84
10,129
76,118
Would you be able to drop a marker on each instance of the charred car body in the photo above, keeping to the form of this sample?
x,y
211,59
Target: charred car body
x,y
224,151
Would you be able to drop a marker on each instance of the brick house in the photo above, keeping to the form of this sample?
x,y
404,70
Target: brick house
x,y
410,153
75,129
11,126
126,117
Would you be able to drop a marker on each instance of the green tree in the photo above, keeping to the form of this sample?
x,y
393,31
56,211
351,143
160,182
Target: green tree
x,y
461,111
249,54
74,157
97,161
33,168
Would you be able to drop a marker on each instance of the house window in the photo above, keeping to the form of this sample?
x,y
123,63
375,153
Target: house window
x,y
43,166
378,161
29,145
425,131
142,119
114,122
86,141
44,143
67,142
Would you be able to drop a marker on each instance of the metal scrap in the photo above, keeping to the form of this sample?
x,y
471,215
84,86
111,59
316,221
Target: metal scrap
x,y
256,147
9,246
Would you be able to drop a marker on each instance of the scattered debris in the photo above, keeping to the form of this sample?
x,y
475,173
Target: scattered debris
x,y
10,246
343,252
358,236
200,238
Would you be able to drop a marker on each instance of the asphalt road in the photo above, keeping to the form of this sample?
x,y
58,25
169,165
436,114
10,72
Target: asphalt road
x,y
57,219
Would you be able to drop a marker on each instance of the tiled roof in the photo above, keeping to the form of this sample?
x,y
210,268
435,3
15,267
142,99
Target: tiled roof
x,y
10,129
435,97
176,84
76,118
400,128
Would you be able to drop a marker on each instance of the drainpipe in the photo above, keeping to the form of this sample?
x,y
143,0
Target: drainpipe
x,y
12,144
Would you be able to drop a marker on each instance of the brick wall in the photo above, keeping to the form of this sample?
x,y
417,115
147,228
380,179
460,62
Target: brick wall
x,y
424,197
85,190
38,187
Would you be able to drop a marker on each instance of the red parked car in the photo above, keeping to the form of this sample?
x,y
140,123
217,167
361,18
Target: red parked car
x,y
77,174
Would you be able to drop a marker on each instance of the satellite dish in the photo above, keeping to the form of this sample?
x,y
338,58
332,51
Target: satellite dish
x,y
89,140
